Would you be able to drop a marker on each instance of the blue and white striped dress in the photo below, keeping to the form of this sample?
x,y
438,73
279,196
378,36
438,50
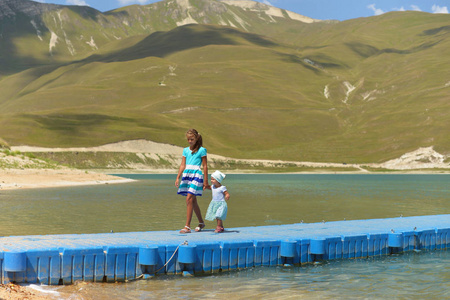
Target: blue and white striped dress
x,y
192,178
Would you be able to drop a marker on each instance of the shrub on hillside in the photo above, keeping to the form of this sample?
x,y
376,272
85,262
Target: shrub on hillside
x,y
3,144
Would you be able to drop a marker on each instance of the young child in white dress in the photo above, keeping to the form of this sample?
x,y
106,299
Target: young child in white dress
x,y
217,209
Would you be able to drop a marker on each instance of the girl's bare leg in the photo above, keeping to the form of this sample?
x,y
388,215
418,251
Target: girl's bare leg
x,y
189,208
197,211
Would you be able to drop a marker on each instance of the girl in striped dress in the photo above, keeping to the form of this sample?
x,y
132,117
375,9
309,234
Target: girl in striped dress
x,y
191,181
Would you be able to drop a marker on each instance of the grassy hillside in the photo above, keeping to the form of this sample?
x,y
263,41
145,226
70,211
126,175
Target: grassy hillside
x,y
41,34
364,90
146,92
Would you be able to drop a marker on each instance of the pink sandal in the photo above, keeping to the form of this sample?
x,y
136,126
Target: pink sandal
x,y
219,229
186,229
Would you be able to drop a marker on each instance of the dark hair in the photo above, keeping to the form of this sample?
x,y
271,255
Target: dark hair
x,y
198,138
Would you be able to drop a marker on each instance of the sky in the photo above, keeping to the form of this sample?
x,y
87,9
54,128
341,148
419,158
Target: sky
x,y
317,9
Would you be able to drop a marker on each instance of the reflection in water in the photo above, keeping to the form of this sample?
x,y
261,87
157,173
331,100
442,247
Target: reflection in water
x,y
151,203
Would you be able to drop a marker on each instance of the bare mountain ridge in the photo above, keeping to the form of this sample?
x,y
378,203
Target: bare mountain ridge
x,y
11,8
64,33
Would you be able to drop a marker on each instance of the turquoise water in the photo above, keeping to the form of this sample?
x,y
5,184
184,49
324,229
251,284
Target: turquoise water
x,y
151,203
407,276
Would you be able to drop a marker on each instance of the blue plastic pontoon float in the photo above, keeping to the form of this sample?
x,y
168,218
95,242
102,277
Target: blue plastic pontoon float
x,y
110,257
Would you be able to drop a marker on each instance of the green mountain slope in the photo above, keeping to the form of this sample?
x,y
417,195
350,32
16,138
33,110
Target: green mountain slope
x,y
37,33
364,90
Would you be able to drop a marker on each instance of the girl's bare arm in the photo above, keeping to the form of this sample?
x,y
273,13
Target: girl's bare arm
x,y
180,171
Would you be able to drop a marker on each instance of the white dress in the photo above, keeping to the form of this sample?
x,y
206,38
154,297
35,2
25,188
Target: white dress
x,y
218,208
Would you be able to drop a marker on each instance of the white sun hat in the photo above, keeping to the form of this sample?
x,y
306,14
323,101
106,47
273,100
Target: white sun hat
x,y
219,176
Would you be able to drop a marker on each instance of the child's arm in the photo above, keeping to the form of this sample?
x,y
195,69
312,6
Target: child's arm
x,y
227,195
180,171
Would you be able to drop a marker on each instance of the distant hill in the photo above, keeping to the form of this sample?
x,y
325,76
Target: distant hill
x,y
256,81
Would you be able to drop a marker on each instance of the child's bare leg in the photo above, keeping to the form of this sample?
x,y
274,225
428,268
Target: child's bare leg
x,y
219,223
219,227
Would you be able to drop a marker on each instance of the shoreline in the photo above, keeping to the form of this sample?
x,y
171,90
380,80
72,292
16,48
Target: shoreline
x,y
14,179
19,171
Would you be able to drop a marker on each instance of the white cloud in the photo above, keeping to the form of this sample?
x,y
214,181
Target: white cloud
x,y
436,9
128,2
267,2
76,2
400,9
415,7
376,11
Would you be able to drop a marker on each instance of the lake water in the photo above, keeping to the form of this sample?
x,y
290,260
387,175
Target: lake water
x,y
150,203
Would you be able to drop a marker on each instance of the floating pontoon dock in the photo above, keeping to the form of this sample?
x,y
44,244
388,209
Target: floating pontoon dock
x,y
110,257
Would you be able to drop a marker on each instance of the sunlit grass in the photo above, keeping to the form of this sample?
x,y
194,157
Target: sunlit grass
x,y
251,96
